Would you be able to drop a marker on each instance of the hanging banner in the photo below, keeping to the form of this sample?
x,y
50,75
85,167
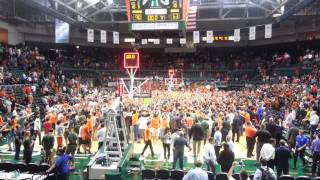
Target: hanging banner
x,y
183,40
268,31
90,35
156,41
236,35
196,37
144,41
252,33
103,36
209,36
169,41
115,37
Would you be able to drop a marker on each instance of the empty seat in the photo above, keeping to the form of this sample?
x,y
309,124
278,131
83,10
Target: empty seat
x,y
236,176
21,167
177,175
302,178
211,176
286,177
43,167
33,168
7,167
222,176
162,174
148,174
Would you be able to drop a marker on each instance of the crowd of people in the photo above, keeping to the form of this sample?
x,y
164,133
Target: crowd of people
x,y
206,120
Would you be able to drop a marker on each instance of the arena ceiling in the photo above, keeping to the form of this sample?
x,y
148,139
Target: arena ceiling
x,y
114,11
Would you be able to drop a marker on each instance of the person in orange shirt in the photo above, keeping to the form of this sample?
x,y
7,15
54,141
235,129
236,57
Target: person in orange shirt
x,y
135,123
250,131
87,138
155,124
147,139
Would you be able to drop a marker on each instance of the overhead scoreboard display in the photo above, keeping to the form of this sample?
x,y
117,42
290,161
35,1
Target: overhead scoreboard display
x,y
156,14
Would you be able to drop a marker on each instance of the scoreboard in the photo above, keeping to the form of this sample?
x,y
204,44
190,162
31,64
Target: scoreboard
x,y
131,60
156,11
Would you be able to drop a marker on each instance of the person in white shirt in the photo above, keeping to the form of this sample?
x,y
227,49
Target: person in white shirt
x,y
230,143
197,173
101,135
314,121
264,171
243,174
37,127
267,152
143,120
209,155
217,141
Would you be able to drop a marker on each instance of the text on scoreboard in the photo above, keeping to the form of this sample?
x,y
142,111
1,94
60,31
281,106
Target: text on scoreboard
x,y
155,10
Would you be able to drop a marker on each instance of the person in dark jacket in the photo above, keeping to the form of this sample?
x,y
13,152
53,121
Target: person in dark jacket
x,y
178,150
263,136
225,130
235,127
282,156
197,134
226,158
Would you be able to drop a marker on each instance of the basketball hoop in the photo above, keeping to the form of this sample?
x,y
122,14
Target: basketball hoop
x,y
131,62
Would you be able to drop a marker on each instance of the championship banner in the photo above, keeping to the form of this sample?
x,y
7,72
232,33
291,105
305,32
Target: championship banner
x,y
209,36
183,40
196,37
103,36
169,41
144,41
236,35
268,31
90,34
252,33
115,37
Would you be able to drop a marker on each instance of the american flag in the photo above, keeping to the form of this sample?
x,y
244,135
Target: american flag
x,y
192,17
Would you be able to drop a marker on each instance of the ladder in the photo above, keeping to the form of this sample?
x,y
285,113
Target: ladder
x,y
116,141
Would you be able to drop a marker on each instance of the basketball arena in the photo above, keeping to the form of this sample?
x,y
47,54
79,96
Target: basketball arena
x,y
159,89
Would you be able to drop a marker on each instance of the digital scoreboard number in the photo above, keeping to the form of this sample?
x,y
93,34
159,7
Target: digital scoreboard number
x,y
155,10
131,60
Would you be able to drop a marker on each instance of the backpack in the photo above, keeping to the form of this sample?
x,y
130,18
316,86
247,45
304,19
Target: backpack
x,y
266,174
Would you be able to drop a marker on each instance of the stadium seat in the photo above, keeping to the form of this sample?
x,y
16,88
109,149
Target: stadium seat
x,y
162,174
316,178
236,176
251,176
21,167
33,168
148,174
222,176
211,176
43,167
302,178
6,166
286,177
176,175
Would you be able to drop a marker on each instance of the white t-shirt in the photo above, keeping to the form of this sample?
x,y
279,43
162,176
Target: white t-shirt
x,y
267,152
101,134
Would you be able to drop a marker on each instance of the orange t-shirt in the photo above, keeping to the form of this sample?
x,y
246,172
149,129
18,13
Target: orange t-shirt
x,y
250,131
89,124
53,118
189,122
155,122
147,134
1,121
86,132
165,123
